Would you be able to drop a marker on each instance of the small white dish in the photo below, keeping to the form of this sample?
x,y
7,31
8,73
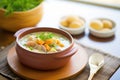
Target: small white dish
x,y
103,34
74,31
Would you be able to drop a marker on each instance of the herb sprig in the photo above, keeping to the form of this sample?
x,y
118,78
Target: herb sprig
x,y
45,35
18,5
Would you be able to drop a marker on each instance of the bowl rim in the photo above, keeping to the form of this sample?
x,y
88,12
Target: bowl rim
x,y
21,12
101,32
33,28
66,28
72,29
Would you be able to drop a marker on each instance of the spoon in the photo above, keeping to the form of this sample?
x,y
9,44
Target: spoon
x,y
96,61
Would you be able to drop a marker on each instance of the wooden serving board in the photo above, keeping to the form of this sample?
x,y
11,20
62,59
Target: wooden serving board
x,y
76,64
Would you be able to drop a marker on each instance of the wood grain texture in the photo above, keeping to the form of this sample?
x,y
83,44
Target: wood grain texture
x,y
53,11
111,65
18,20
75,66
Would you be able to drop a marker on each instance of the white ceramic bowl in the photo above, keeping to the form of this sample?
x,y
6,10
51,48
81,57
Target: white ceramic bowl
x,y
74,31
103,34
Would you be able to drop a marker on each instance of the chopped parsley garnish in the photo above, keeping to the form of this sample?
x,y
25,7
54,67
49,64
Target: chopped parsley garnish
x,y
31,48
18,5
45,35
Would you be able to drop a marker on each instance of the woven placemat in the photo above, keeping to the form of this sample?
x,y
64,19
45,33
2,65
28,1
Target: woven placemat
x,y
111,65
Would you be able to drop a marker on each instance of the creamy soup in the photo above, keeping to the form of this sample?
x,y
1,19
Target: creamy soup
x,y
44,42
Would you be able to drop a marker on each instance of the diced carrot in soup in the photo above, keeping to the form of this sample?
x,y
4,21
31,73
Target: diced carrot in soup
x,y
61,45
40,42
49,41
44,42
47,47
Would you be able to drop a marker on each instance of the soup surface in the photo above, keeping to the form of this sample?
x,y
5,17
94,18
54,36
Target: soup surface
x,y
44,42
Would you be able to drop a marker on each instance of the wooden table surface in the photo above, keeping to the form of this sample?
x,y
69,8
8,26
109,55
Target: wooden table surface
x,y
54,10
